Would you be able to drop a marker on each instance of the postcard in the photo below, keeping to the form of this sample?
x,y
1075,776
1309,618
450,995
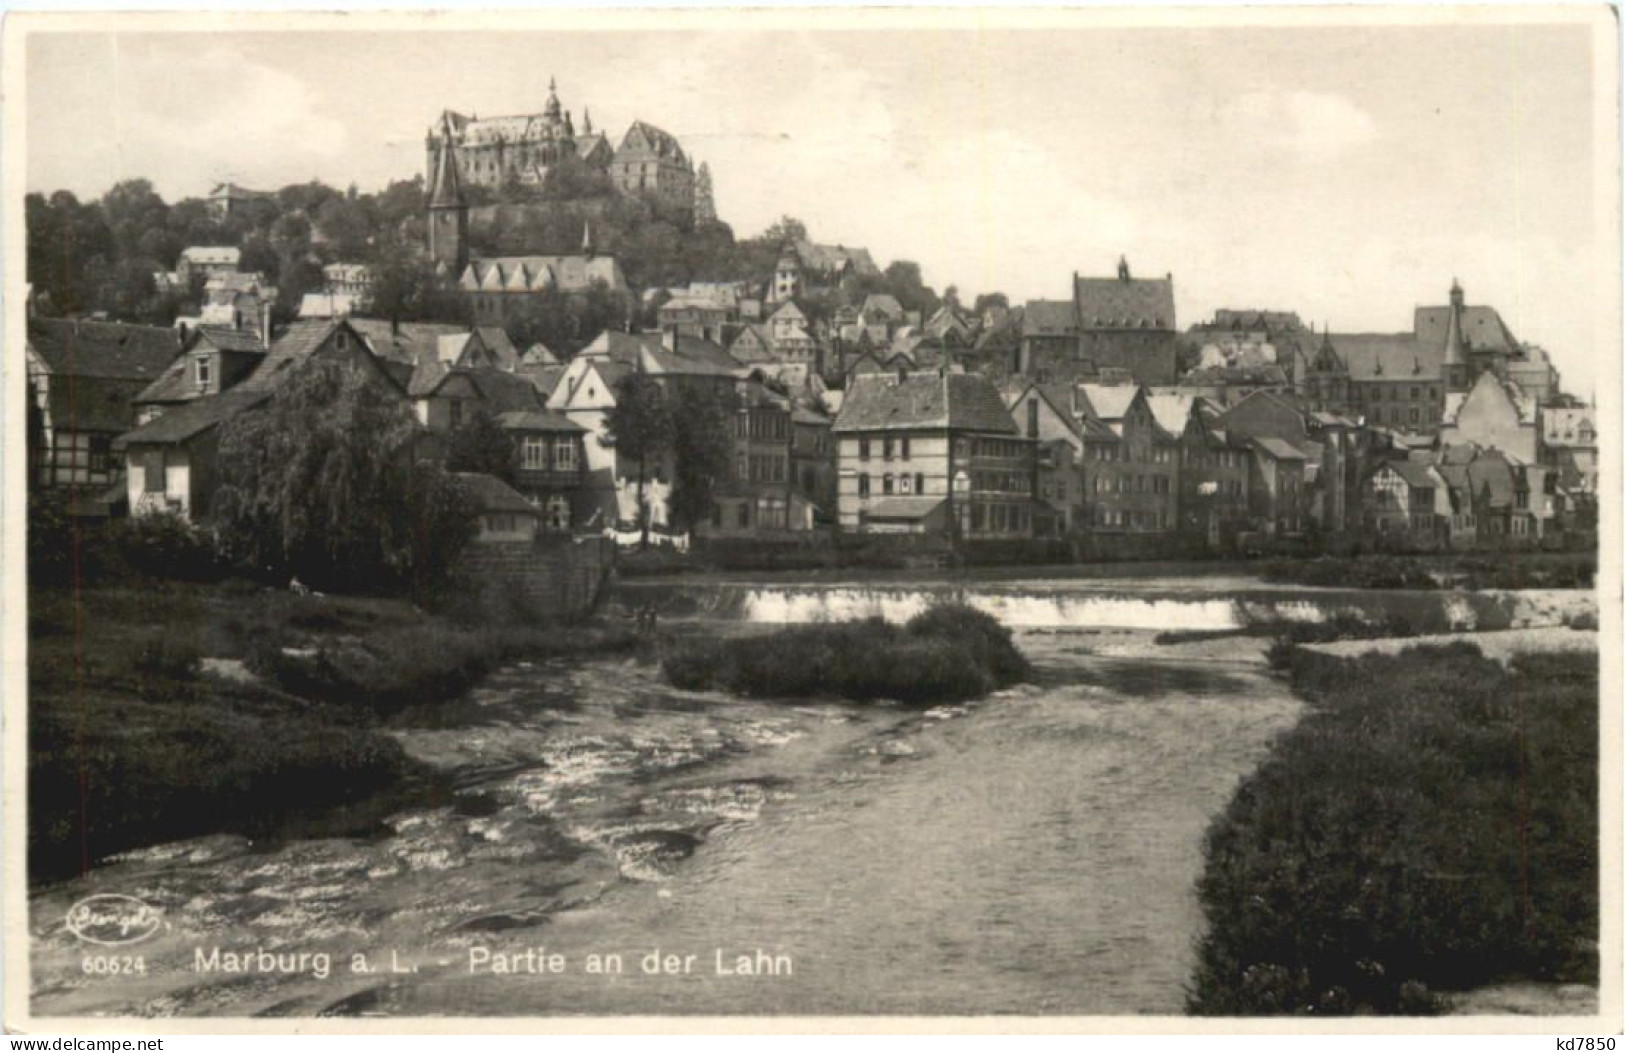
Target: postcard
x,y
850,519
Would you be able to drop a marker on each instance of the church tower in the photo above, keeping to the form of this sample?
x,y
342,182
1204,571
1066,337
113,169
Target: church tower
x,y
1457,373
448,210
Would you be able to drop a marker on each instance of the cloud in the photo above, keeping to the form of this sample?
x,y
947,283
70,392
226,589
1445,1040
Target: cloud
x,y
216,114
1312,125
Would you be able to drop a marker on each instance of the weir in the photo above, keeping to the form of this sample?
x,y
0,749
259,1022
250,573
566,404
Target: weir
x,y
1075,605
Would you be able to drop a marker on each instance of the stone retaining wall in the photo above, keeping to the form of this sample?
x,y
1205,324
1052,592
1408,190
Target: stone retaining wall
x,y
549,578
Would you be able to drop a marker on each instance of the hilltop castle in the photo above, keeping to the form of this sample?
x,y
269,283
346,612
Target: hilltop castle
x,y
497,152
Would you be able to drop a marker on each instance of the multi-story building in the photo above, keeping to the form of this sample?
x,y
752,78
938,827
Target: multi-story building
x,y
83,379
651,163
214,360
760,495
812,459
552,471
1134,480
933,454
207,260
171,462
1121,324
1213,480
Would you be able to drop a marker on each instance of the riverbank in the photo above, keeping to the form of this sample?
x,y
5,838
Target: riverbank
x,y
163,709
1429,827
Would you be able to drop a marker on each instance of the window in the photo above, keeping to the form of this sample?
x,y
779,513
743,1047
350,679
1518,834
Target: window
x,y
564,455
919,482
886,484
101,454
558,512
863,486
907,483
905,447
456,410
535,453
744,513
152,471
863,447
203,373
886,447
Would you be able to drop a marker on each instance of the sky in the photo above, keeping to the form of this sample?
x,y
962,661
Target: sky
x,y
1348,173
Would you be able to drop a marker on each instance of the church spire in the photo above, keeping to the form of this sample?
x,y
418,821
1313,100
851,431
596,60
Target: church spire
x,y
586,122
447,191
586,238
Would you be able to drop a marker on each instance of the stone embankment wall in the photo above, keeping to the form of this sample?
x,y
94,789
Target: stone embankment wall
x,y
549,578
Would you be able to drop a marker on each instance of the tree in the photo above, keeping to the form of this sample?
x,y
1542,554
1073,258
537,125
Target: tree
x,y
702,450
787,228
322,483
479,444
640,425
132,208
903,278
988,301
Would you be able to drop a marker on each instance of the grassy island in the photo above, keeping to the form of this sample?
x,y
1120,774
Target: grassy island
x,y
949,653
162,709
1429,826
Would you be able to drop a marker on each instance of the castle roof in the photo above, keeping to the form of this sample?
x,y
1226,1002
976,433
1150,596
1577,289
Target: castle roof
x,y
645,142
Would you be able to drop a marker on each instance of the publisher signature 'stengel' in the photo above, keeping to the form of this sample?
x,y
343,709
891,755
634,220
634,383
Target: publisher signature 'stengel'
x,y
111,919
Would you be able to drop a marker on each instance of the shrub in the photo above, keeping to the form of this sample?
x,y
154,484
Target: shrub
x,y
949,653
164,545
1430,825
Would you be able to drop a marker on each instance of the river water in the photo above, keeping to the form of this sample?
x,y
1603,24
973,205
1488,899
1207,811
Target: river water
x,y
1034,852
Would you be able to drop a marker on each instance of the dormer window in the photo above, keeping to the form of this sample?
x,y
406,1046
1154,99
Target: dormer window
x,y
203,374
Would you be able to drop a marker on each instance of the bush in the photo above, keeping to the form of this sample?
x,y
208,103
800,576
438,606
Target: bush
x,y
948,653
1430,825
164,545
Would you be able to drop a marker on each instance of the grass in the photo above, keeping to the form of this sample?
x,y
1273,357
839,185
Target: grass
x,y
1429,826
1505,570
131,744
949,653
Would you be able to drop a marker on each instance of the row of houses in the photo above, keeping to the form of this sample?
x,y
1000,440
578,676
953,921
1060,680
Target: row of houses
x,y
953,454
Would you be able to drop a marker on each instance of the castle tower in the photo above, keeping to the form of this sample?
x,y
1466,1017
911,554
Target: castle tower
x,y
553,109
448,209
705,208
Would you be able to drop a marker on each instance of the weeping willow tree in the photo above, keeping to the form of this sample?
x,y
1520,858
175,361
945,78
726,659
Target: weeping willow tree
x,y
323,483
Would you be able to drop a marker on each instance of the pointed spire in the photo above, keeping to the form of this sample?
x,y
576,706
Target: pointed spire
x,y
586,238
553,108
586,122
448,187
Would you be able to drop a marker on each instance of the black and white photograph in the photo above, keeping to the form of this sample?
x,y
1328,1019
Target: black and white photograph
x,y
1076,517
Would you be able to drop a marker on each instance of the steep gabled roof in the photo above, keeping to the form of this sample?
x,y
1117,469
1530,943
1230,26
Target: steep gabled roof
x,y
1481,328
1124,303
1388,356
110,350
1279,449
193,418
961,401
297,344
1049,318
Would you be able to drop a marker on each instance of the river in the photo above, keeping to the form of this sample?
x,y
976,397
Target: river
x,y
1033,852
